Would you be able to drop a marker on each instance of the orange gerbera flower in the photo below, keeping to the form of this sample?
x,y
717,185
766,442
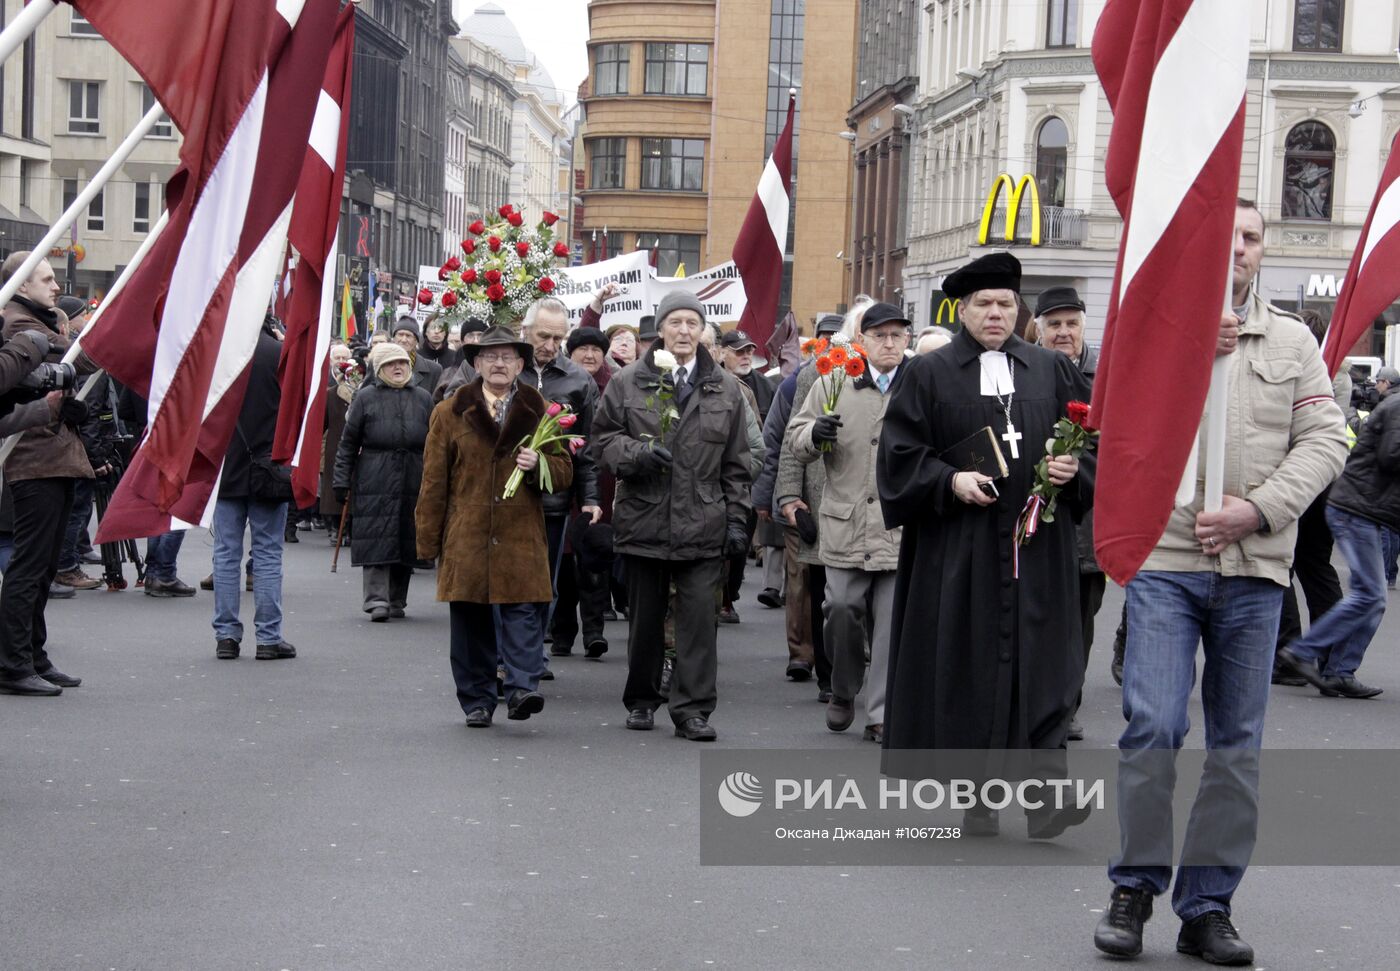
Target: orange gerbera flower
x,y
824,366
809,346
822,345
859,350
855,367
838,356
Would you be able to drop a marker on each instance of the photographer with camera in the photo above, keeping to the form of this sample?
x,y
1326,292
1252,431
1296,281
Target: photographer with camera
x,y
40,473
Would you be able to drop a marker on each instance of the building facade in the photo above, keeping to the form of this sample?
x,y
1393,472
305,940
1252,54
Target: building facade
x,y
1009,88
454,171
684,101
26,138
491,97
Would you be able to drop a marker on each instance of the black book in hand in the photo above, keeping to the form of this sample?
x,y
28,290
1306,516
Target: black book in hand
x,y
979,452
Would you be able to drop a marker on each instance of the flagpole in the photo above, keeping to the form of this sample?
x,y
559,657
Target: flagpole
x,y
1216,407
25,24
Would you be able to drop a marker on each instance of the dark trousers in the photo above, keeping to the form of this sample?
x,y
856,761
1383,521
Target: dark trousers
x,y
386,585
475,649
579,593
693,679
554,527
1312,565
816,596
42,508
1091,590
78,516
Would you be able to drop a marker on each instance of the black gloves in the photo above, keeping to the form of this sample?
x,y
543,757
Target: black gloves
x,y
653,460
72,411
38,339
736,540
341,494
825,429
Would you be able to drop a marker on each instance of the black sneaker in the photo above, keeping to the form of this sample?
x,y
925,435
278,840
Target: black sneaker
x,y
1120,929
1214,939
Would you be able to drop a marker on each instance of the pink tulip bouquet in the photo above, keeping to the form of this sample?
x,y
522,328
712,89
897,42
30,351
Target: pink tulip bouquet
x,y
553,430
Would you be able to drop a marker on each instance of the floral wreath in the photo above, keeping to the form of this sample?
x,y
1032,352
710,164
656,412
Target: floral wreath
x,y
506,268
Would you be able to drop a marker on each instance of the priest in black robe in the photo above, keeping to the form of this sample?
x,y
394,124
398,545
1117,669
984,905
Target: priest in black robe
x,y
979,658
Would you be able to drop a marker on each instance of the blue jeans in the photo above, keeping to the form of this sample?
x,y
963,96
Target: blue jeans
x,y
161,553
68,558
266,521
1390,547
1338,641
1169,614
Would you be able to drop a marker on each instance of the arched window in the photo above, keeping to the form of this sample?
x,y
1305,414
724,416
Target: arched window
x,y
1309,160
1051,159
1317,25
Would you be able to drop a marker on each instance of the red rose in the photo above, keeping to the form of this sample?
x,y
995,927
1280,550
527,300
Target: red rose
x,y
494,242
561,250
515,219
506,210
425,296
477,228
523,248
546,284
453,264
469,246
469,275
1078,413
493,276
444,273
549,218
495,293
449,299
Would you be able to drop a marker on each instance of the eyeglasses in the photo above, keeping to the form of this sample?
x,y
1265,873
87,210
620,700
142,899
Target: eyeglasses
x,y
892,338
497,357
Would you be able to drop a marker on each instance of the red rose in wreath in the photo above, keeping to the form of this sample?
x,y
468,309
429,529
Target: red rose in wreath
x,y
515,219
449,299
495,293
549,218
425,296
522,248
493,277
546,285
476,229
506,210
561,250
469,275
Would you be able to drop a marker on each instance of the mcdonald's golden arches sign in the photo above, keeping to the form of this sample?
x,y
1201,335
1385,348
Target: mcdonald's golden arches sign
x,y
1013,208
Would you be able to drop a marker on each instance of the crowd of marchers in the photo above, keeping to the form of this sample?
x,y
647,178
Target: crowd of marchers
x,y
910,597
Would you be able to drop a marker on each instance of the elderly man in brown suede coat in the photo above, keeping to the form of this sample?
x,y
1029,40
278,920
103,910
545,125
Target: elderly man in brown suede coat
x,y
493,550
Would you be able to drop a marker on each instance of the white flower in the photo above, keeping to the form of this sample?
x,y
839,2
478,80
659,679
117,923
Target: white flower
x,y
664,360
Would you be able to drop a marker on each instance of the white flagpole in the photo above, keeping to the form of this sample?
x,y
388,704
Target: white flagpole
x,y
1216,407
25,24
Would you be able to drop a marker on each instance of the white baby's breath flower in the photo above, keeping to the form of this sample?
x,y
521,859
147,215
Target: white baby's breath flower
x,y
664,360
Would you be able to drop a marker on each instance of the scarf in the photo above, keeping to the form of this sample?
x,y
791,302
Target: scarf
x,y
390,382
45,315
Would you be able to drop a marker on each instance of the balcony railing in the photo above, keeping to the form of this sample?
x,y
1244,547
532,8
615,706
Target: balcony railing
x,y
1059,227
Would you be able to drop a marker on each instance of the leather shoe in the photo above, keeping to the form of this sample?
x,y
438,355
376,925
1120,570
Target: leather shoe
x,y
560,650
1120,929
226,649
168,588
546,675
523,704
379,615
770,597
799,670
61,591
984,822
33,685
595,648
641,720
696,729
396,612
728,615
840,712
479,718
874,733
1285,676
275,652
1305,669
1347,687
207,583
1211,936
55,676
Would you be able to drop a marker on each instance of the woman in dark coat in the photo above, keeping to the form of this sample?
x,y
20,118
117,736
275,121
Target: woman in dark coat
x,y
379,465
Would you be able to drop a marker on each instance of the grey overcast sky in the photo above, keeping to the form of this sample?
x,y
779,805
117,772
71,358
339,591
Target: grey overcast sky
x,y
555,30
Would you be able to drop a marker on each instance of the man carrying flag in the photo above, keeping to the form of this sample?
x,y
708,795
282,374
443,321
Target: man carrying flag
x,y
1174,73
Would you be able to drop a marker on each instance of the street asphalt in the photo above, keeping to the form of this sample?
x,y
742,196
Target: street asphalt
x,y
334,812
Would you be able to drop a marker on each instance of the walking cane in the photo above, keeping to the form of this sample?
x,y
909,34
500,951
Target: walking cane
x,y
340,533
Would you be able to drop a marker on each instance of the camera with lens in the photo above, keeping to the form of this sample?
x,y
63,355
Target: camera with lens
x,y
48,377
40,379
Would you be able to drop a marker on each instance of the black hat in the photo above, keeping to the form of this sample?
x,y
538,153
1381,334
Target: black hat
x,y
474,325
408,324
1057,298
830,324
646,328
995,271
586,335
592,543
736,340
497,337
882,313
72,306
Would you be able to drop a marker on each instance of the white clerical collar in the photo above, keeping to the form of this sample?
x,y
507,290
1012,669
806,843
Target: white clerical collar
x,y
996,374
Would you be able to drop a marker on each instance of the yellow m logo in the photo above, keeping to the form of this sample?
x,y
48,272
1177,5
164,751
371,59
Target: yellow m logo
x,y
1013,207
949,305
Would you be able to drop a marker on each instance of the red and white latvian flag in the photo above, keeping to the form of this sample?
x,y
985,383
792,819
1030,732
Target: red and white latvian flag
x,y
240,79
762,241
302,370
1373,278
1174,75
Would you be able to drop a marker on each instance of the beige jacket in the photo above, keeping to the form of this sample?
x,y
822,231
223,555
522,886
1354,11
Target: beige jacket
x,y
1285,443
851,529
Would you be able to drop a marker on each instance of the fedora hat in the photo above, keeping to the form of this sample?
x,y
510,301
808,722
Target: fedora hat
x,y
498,337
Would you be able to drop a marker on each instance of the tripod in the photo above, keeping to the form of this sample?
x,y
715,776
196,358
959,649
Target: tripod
x,y
113,554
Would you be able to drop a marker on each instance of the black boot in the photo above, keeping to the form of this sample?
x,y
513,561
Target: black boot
x,y
1120,644
1212,937
1120,930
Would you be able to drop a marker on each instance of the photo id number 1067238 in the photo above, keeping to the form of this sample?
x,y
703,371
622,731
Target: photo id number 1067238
x,y
928,833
